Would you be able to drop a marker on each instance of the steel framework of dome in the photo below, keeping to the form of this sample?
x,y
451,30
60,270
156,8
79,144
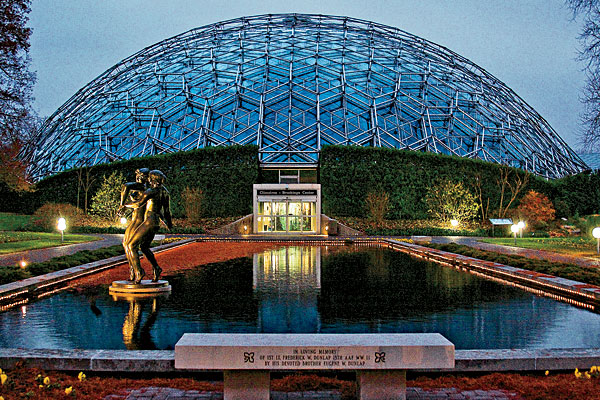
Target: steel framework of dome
x,y
291,84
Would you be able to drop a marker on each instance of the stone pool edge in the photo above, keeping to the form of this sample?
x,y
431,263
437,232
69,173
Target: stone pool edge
x,y
21,292
163,361
576,293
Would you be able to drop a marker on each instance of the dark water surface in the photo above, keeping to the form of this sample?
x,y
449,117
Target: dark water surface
x,y
307,290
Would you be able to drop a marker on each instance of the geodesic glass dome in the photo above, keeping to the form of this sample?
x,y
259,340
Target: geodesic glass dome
x,y
292,84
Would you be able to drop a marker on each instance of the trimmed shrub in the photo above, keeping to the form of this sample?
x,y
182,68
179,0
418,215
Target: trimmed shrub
x,y
451,200
224,174
46,217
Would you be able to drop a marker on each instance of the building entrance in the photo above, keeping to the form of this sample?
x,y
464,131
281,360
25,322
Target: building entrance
x,y
287,208
287,216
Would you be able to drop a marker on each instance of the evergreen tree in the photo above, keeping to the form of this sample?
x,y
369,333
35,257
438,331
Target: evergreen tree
x,y
105,203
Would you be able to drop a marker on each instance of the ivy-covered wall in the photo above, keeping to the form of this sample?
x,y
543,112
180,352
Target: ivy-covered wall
x,y
349,173
224,174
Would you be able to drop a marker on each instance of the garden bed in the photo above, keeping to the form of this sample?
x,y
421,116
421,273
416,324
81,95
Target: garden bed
x,y
33,383
405,227
563,270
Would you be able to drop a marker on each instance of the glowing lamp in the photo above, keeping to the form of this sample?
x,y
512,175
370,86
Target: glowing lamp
x,y
596,234
23,263
454,223
62,225
514,228
123,220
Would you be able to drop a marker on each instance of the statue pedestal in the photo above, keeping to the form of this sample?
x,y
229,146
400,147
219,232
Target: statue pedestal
x,y
144,287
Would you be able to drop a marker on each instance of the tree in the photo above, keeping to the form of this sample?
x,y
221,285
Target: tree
x,y
105,202
85,180
536,208
378,205
513,181
590,54
451,200
17,120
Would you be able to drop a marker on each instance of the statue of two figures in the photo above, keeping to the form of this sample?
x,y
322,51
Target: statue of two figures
x,y
150,204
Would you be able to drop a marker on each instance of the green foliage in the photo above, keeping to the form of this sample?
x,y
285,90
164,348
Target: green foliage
x,y
224,174
451,200
424,231
13,222
349,172
79,258
192,199
105,202
577,194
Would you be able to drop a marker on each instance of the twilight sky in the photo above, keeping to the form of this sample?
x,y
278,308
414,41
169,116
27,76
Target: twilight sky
x,y
530,45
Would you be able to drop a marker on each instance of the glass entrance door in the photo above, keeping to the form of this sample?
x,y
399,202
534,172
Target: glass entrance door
x,y
287,216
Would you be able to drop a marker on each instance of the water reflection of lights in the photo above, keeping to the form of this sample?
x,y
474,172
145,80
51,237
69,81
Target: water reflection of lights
x,y
300,266
287,282
24,311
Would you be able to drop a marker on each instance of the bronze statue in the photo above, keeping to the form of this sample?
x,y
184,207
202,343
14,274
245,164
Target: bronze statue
x,y
134,190
156,203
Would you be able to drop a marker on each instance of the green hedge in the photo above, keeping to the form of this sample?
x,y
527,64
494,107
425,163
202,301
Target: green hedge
x,y
348,173
225,175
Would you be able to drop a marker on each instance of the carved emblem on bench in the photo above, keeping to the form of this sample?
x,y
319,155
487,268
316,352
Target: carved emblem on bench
x,y
380,357
249,357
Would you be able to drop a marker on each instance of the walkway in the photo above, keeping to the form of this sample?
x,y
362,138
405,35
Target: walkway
x,y
530,253
156,393
41,255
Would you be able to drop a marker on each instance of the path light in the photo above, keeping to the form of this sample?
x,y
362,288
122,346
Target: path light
x,y
514,228
521,225
62,225
123,221
454,223
23,263
596,234
245,229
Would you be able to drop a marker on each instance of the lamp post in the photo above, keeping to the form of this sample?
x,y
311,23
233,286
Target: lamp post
x,y
62,225
596,234
521,225
514,228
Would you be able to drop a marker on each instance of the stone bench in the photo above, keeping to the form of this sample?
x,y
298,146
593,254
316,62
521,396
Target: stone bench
x,y
380,360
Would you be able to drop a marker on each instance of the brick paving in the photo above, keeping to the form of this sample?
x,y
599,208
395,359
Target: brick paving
x,y
157,393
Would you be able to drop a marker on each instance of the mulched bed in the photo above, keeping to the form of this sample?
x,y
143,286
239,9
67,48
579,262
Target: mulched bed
x,y
28,383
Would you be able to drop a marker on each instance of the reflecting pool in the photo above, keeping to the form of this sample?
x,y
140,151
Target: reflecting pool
x,y
306,290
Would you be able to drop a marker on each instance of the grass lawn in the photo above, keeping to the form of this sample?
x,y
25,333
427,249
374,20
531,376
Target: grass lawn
x,y
11,242
13,222
575,246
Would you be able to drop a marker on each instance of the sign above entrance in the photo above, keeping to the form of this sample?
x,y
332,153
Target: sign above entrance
x,y
286,192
